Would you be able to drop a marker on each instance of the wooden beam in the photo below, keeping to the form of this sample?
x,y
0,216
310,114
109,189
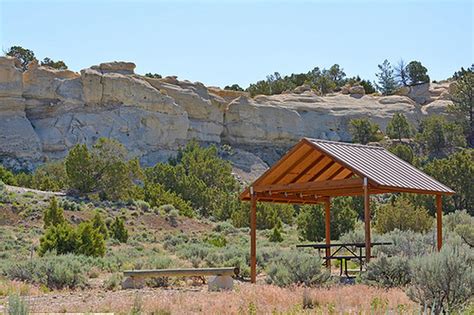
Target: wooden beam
x,y
285,159
294,165
311,186
367,219
324,169
439,221
308,168
328,231
331,156
253,236
294,199
339,171
182,272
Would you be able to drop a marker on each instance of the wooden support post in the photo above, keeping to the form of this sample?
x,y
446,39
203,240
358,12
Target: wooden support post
x,y
439,221
367,220
328,231
253,236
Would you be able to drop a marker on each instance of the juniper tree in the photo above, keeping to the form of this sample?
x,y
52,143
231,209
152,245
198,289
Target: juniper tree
x,y
398,127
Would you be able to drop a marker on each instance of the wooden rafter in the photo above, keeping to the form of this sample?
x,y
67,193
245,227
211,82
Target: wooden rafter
x,y
308,168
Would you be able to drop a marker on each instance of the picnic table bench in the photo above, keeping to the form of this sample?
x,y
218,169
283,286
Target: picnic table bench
x,y
351,253
221,278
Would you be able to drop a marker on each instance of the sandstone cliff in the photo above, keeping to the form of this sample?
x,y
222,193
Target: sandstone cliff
x,y
44,112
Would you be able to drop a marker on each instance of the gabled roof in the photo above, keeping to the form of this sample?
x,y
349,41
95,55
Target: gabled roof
x,y
319,168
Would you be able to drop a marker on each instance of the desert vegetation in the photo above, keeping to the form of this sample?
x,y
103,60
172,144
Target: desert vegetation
x,y
76,224
113,215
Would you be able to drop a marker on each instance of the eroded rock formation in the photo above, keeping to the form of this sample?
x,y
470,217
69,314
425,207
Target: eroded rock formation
x,y
44,112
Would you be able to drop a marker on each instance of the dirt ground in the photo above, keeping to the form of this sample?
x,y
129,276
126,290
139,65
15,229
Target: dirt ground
x,y
244,299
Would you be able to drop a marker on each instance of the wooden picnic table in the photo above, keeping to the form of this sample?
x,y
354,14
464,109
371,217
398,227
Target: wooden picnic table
x,y
343,258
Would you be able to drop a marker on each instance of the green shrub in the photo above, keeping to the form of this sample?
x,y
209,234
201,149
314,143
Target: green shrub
x,y
296,267
91,241
62,238
462,224
439,137
118,230
53,215
50,176
403,151
171,241
103,169
172,218
158,196
268,215
276,233
311,220
99,225
7,176
402,215
55,272
225,227
17,305
457,172
199,176
443,282
398,127
364,131
142,205
406,243
388,272
113,282
70,205
216,240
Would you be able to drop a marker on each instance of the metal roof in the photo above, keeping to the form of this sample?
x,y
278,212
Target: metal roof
x,y
380,165
319,168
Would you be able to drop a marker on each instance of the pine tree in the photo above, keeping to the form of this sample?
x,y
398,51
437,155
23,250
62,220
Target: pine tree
x,y
386,80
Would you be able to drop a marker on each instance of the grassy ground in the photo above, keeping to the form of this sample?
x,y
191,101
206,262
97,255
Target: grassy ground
x,y
244,299
157,243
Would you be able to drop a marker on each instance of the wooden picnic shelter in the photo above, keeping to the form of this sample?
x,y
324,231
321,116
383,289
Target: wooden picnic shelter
x,y
314,171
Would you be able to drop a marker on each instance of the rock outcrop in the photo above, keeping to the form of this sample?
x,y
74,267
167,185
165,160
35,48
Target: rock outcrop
x,y
44,112
18,139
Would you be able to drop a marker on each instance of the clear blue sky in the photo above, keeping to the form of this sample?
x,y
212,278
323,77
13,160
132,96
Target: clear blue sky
x,y
225,42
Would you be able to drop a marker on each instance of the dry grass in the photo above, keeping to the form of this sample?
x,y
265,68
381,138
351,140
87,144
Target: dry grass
x,y
8,287
245,299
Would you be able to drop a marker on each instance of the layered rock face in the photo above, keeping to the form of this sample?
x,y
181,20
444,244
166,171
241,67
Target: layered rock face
x,y
44,112
18,139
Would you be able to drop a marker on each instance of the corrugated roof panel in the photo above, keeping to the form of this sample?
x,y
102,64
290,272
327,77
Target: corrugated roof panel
x,y
379,165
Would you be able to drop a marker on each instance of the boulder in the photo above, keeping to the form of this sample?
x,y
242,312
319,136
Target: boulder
x,y
43,82
121,67
345,89
11,79
438,107
357,90
420,93
302,88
